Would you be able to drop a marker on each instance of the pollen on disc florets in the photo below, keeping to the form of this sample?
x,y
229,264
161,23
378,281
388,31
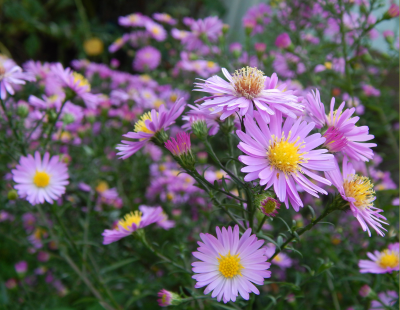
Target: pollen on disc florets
x,y
361,189
284,155
81,80
229,265
140,125
248,82
130,218
41,179
388,259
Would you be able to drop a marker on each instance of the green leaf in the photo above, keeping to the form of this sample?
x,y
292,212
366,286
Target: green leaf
x,y
118,265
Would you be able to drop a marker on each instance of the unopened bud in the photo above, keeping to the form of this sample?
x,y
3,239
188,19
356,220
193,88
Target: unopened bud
x,y
12,194
167,298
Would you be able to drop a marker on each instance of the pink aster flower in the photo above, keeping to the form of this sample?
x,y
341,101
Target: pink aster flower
x,y
269,206
40,180
21,267
156,31
133,20
197,114
282,260
209,27
283,40
11,74
228,264
245,89
282,155
342,134
386,261
388,298
358,191
164,18
180,146
147,58
148,126
167,298
132,222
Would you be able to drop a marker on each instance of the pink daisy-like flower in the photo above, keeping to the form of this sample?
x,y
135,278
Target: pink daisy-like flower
x,y
40,180
133,20
132,222
228,264
282,155
164,18
281,260
386,261
180,146
147,58
148,126
358,191
245,88
11,74
342,134
388,298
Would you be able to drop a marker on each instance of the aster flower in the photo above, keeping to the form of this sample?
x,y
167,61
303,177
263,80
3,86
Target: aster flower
x,y
181,150
388,298
246,88
132,222
358,191
167,298
197,114
133,20
149,125
228,264
147,58
386,261
209,27
281,260
283,40
164,18
11,74
342,134
40,180
282,155
156,31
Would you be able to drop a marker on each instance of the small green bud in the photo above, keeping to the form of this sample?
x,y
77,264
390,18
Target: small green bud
x,y
68,119
12,194
22,110
200,129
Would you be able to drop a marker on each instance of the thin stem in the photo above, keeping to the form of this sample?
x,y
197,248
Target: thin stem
x,y
166,259
53,125
327,211
262,223
333,292
14,130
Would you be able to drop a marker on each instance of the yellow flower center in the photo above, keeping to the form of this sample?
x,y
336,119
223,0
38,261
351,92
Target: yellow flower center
x,y
173,97
140,125
41,179
229,265
277,258
81,80
38,233
389,259
210,64
130,218
155,30
164,298
328,65
361,189
158,103
102,187
248,82
269,207
170,196
133,18
284,155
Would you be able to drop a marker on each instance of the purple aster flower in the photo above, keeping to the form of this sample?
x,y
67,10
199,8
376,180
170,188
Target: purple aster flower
x,y
342,134
283,40
164,18
147,58
132,222
133,20
247,87
358,191
40,180
11,74
389,298
167,298
198,114
21,267
156,31
209,27
281,154
282,260
228,264
148,126
386,261
258,17
288,65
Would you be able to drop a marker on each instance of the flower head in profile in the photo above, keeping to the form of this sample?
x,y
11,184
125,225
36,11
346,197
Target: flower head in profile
x,y
282,154
132,222
11,74
228,264
167,298
388,298
40,180
342,135
181,150
243,91
281,259
358,191
386,261
149,127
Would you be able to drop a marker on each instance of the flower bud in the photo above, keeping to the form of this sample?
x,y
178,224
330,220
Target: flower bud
x,y
283,40
366,291
267,205
11,284
167,298
181,150
22,109
68,119
200,129
12,194
392,12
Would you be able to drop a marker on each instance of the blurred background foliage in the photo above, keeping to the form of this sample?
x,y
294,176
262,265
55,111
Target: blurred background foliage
x,y
54,30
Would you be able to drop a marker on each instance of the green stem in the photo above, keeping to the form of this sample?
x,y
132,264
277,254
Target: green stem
x,y
14,130
262,223
82,15
333,292
164,258
327,211
53,125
